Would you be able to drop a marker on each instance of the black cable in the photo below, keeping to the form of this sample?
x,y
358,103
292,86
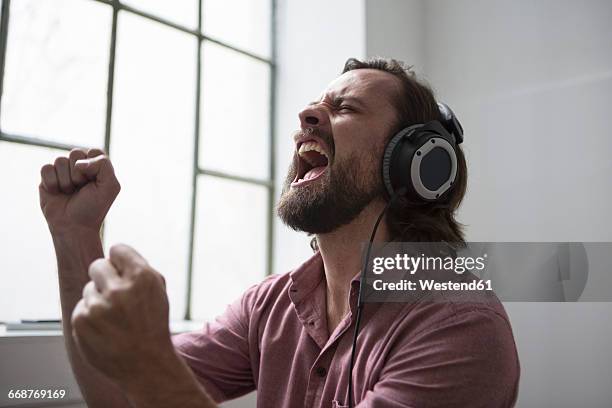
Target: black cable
x,y
397,194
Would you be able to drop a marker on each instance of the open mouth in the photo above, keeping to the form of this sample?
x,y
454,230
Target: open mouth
x,y
312,162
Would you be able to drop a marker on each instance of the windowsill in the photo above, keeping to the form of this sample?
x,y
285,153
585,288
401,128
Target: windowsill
x,y
177,326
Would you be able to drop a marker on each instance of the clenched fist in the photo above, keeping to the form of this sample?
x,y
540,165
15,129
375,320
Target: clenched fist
x,y
77,191
121,324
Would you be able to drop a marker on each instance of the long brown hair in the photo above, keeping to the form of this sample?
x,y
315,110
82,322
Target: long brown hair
x,y
419,221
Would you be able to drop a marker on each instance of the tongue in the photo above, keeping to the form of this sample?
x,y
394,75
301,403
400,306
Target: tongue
x,y
314,172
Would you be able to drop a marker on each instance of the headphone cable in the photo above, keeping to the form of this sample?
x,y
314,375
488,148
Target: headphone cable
x,y
360,304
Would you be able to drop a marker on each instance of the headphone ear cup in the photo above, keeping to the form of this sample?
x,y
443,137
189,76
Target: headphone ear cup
x,y
389,164
433,168
421,160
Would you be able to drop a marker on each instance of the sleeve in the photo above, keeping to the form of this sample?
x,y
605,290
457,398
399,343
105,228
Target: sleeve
x,y
219,354
466,360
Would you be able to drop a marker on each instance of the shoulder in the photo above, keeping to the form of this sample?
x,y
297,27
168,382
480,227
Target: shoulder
x,y
239,314
466,346
478,323
268,290
447,307
260,299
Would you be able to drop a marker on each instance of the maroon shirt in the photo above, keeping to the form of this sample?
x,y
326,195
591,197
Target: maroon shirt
x,y
274,339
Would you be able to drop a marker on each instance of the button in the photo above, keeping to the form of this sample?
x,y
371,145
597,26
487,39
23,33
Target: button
x,y
321,371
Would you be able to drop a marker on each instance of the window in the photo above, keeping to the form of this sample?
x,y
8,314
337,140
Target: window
x,y
180,94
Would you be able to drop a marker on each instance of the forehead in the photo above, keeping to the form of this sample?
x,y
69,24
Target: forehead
x,y
371,86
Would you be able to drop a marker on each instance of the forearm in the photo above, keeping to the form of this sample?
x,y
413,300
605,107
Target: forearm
x,y
166,380
168,383
75,250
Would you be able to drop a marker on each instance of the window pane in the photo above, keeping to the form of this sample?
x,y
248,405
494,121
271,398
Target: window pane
x,y
235,128
29,274
230,243
56,70
242,23
184,12
152,147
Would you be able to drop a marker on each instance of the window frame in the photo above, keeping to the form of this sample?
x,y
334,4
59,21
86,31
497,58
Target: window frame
x,y
198,171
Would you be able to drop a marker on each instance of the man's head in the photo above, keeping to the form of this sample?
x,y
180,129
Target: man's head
x,y
336,170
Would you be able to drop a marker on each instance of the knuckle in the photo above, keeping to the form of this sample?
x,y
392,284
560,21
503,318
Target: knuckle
x,y
140,273
103,159
162,278
87,288
96,311
46,169
96,266
77,152
106,162
95,152
61,161
115,250
142,269
78,320
115,295
144,275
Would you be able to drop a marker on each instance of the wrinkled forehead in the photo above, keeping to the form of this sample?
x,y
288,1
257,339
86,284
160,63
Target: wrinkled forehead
x,y
371,86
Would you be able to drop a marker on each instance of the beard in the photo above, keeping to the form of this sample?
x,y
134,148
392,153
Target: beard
x,y
333,200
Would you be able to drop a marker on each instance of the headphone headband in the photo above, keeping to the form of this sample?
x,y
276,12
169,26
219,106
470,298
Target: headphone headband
x,y
450,122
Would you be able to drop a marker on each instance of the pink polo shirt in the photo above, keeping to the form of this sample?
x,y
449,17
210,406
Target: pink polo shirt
x,y
274,339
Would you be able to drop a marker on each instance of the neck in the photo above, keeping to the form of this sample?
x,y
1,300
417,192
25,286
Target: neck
x,y
341,252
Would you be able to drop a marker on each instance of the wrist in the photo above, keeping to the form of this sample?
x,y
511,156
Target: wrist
x,y
75,248
165,381
71,231
149,371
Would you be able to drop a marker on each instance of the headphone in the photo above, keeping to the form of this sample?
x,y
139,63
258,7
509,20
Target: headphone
x,y
420,161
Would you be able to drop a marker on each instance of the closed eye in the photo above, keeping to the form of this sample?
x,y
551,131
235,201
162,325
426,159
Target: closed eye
x,y
345,108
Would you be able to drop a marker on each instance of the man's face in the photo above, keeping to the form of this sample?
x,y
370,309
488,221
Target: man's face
x,y
335,171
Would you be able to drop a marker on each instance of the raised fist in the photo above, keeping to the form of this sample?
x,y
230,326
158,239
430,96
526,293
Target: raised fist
x,y
77,191
121,324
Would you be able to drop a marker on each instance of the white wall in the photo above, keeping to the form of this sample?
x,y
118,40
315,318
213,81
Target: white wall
x,y
314,40
396,28
532,84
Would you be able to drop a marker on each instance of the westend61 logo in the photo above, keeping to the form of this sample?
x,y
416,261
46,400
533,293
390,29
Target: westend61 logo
x,y
411,264
470,271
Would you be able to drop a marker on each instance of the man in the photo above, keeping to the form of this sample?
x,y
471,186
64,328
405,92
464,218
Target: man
x,y
289,337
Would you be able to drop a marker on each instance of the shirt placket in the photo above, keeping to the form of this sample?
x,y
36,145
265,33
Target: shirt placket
x,y
319,370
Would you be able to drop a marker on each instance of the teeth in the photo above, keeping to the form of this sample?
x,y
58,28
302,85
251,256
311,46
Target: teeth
x,y
310,146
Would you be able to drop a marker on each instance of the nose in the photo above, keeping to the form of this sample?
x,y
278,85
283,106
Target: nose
x,y
313,116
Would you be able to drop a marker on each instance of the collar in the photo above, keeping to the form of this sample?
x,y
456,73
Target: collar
x,y
306,278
